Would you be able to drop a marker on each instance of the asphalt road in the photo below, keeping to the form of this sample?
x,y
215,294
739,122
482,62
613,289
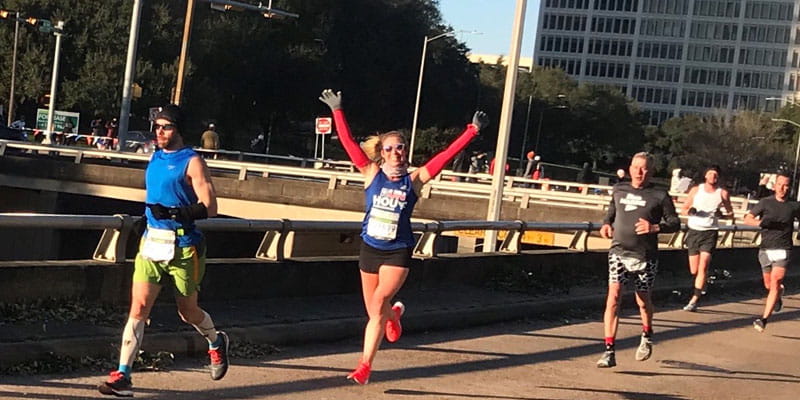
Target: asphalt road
x,y
712,354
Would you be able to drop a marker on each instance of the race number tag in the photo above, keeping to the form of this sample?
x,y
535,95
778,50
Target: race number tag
x,y
159,244
382,225
633,264
775,255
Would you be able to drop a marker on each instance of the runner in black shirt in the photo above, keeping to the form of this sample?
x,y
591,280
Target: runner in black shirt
x,y
637,213
775,215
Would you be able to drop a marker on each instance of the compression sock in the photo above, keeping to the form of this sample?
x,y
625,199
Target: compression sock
x,y
131,340
207,329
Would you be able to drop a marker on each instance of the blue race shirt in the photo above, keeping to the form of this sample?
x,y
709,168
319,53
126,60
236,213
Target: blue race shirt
x,y
387,224
165,181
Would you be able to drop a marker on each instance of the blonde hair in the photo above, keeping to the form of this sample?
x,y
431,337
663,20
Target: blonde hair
x,y
372,145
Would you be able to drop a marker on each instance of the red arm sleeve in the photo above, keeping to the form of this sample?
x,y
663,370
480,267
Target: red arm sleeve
x,y
352,148
438,162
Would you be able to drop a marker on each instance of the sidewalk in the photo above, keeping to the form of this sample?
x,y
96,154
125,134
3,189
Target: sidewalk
x,y
329,318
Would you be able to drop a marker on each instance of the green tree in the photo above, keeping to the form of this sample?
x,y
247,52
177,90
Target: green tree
x,y
743,146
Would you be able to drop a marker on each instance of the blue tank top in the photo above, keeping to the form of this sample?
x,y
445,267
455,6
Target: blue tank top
x,y
387,224
165,181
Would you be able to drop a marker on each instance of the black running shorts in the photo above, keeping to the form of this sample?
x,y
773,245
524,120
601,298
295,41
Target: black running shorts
x,y
370,259
701,241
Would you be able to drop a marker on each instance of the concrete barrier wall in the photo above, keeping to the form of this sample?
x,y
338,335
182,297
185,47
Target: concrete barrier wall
x,y
537,272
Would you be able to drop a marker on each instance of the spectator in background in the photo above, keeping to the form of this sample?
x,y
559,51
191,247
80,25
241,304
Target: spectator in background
x,y
96,125
111,128
680,183
586,175
477,163
765,184
18,124
258,145
67,136
620,176
491,167
210,138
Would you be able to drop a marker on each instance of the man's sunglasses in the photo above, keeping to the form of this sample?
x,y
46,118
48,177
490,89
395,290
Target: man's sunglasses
x,y
166,127
398,147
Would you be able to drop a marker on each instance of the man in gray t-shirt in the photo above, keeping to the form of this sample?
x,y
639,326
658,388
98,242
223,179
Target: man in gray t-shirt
x,y
775,215
638,212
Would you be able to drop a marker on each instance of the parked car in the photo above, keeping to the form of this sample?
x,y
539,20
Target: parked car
x,y
140,142
7,133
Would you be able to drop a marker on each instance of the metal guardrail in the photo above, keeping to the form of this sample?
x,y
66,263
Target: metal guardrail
x,y
118,228
525,192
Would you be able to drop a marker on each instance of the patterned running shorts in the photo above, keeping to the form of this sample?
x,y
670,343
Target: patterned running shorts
x,y
644,278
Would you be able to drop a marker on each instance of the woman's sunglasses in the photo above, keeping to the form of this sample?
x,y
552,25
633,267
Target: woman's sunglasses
x,y
398,147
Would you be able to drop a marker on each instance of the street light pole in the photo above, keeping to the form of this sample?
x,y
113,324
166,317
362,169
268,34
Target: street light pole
x,y
796,154
419,91
127,83
58,31
13,72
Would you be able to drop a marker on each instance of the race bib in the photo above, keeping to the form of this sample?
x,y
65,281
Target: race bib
x,y
775,255
633,264
382,225
159,244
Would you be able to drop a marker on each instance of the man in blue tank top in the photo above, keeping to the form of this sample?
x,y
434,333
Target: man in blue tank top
x,y
172,251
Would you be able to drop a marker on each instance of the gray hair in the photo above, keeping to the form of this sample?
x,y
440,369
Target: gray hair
x,y
647,157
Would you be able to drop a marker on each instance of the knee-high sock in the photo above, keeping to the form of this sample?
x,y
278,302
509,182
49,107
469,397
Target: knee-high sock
x,y
207,329
131,340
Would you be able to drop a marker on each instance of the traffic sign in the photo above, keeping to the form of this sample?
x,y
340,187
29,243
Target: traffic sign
x,y
324,125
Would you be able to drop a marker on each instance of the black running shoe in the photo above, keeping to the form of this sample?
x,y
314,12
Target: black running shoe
x,y
219,358
117,385
779,303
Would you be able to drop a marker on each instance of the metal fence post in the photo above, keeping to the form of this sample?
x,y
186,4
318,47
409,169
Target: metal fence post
x,y
112,244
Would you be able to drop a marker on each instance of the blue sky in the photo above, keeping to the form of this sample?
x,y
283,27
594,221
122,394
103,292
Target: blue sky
x,y
494,18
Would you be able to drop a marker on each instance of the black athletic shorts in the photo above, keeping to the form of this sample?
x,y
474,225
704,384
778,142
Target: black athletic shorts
x,y
370,259
697,241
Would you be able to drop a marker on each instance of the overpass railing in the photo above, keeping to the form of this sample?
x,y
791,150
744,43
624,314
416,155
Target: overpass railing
x,y
117,229
522,191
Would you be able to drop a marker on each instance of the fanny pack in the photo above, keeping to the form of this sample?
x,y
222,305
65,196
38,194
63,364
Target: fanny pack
x,y
159,244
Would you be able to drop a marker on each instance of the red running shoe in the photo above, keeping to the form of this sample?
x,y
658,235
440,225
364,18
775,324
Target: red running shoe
x,y
393,327
117,385
361,374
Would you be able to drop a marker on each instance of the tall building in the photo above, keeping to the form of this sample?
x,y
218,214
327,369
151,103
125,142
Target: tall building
x,y
677,56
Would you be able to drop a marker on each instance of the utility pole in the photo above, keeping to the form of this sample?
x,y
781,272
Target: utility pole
x,y
504,129
187,33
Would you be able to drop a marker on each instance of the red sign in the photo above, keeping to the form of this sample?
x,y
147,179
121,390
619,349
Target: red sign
x,y
324,125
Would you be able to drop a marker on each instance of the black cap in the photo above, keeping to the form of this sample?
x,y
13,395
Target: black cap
x,y
171,113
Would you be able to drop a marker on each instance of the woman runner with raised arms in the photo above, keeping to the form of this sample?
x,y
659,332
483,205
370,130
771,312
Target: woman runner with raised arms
x,y
387,240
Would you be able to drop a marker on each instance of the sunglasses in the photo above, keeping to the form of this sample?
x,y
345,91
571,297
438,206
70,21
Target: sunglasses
x,y
398,147
166,127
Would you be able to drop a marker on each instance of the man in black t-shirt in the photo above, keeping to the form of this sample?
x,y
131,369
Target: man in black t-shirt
x,y
775,215
638,212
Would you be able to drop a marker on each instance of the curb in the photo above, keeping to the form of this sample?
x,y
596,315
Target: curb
x,y
188,342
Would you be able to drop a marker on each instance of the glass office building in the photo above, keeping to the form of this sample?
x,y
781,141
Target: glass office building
x,y
677,56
